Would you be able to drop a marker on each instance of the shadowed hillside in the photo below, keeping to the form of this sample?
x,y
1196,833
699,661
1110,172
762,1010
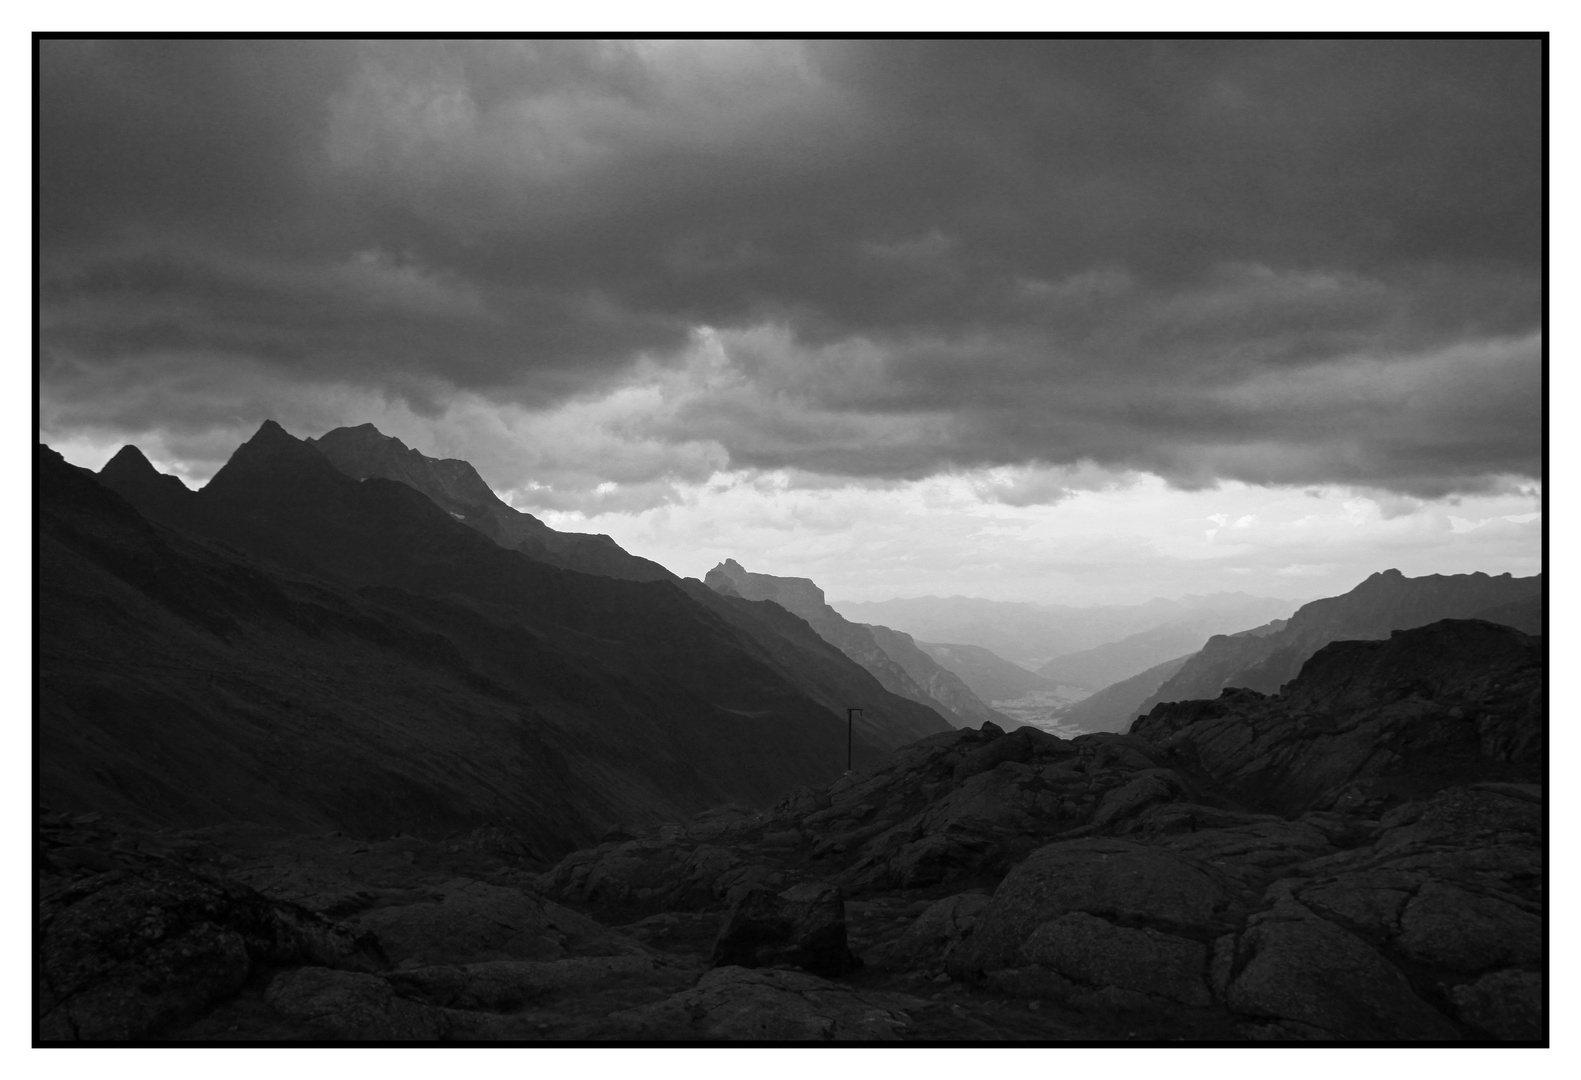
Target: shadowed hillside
x,y
892,657
344,653
1266,659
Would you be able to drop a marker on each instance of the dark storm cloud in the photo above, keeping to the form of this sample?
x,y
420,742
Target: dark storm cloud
x,y
1272,261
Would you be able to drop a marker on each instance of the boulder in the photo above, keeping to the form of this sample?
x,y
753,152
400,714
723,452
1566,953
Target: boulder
x,y
507,985
1506,1005
739,1004
1303,977
473,922
803,927
1101,920
1092,951
345,1005
130,953
937,931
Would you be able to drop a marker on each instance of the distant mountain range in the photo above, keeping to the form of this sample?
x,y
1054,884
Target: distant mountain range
x,y
1264,658
292,645
325,755
892,657
1113,661
1033,635
1386,602
1114,707
987,674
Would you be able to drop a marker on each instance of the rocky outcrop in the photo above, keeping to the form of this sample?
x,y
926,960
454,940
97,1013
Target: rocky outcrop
x,y
128,953
893,657
1359,859
738,1004
1459,699
1238,861
803,926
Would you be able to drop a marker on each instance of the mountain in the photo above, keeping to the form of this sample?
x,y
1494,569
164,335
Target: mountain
x,y
1449,702
1115,707
312,651
1385,602
1033,634
456,487
988,675
1114,661
134,478
796,653
892,657
364,451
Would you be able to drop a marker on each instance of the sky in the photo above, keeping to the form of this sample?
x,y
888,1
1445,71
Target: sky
x,y
1064,321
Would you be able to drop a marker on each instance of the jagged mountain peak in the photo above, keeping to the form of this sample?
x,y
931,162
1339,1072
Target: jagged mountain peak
x,y
128,460
272,454
131,466
364,451
132,476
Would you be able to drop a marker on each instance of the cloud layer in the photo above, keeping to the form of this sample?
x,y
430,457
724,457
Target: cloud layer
x,y
638,264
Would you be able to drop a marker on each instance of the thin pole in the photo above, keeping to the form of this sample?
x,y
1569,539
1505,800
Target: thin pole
x,y
849,723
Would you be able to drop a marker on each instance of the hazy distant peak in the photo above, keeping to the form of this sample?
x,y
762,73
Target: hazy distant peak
x,y
797,594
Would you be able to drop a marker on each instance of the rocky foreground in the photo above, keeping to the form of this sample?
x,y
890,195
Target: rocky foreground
x,y
1359,858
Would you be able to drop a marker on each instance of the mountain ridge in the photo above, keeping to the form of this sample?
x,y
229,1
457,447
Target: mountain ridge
x,y
893,657
1384,602
364,451
680,708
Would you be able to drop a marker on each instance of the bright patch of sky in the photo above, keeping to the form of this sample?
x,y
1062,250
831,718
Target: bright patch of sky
x,y
941,536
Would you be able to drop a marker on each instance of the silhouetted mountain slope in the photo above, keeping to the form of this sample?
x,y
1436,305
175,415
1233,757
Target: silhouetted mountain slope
x,y
1385,602
421,678
1115,707
157,495
249,503
363,451
821,670
892,657
1113,661
936,681
988,675
1359,859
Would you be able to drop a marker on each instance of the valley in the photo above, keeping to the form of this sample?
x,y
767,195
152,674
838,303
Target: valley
x,y
388,763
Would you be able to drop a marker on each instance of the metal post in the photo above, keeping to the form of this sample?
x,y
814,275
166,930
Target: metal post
x,y
849,724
